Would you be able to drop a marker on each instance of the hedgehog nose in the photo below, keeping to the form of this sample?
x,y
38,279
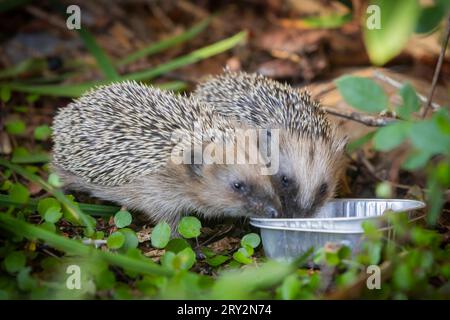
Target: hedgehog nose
x,y
272,212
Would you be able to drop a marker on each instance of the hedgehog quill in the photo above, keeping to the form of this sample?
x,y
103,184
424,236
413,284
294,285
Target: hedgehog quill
x,y
311,148
116,143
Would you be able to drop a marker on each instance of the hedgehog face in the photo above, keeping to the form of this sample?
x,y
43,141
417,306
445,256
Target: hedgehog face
x,y
235,190
308,174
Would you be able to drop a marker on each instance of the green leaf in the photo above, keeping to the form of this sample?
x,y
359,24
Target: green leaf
x,y
217,260
358,143
249,250
15,127
25,281
166,43
442,172
160,235
209,253
290,288
362,93
105,280
426,136
53,180
42,133
429,18
252,239
15,261
122,219
371,231
397,22
142,265
344,253
53,214
442,119
185,259
131,240
383,190
411,102
167,259
47,203
92,209
19,193
116,240
102,59
390,136
32,98
403,277
49,226
176,245
242,256
416,160
332,258
5,94
189,227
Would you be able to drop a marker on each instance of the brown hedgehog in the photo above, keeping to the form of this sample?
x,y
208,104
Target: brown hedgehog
x,y
117,142
311,149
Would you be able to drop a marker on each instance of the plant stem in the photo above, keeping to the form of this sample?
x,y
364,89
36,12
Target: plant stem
x,y
437,70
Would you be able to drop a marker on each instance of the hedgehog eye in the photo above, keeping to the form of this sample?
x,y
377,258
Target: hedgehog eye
x,y
323,189
239,186
285,181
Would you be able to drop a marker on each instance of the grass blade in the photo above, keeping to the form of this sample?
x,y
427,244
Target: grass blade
x,y
76,90
31,158
65,90
96,210
166,43
172,86
29,65
190,58
74,247
58,194
102,59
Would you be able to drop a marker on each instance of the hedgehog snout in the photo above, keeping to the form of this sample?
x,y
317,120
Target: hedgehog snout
x,y
271,212
270,209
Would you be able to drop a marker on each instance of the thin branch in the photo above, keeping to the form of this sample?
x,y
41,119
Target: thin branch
x,y
365,119
397,84
437,70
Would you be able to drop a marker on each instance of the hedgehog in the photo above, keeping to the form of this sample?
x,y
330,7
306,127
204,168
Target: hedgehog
x,y
311,149
117,143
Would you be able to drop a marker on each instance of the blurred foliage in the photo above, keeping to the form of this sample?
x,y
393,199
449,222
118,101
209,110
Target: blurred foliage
x,y
429,138
45,241
389,25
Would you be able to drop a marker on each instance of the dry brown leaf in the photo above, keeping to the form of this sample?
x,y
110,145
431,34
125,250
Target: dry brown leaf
x,y
225,244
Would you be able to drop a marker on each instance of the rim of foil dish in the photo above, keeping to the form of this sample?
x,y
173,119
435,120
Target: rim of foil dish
x,y
419,205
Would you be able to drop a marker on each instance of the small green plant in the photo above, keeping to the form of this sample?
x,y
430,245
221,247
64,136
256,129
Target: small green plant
x,y
429,138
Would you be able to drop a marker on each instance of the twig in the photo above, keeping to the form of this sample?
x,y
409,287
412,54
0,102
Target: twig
x,y
397,84
437,70
365,119
370,168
